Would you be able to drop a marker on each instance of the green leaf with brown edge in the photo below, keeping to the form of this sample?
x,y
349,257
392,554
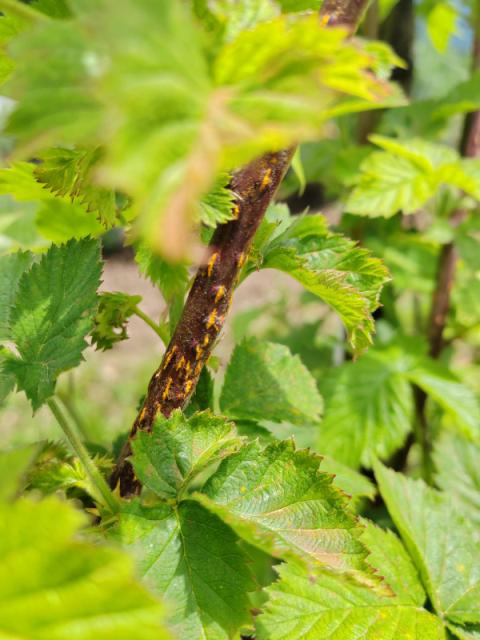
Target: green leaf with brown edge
x,y
178,449
264,381
277,499
193,560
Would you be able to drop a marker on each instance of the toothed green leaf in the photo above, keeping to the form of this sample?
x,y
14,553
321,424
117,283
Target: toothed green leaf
x,y
51,316
110,323
443,544
323,606
368,408
406,175
332,267
190,558
279,500
68,172
169,458
12,268
171,108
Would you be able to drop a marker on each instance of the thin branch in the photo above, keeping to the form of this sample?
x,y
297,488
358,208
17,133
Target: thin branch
x,y
96,478
209,299
71,409
159,329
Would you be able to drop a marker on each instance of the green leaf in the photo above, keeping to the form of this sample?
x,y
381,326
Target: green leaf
x,y
389,557
114,311
52,314
58,218
7,380
193,560
68,172
470,632
60,221
332,267
264,381
405,176
57,470
14,464
446,389
442,543
351,482
324,606
12,268
458,472
441,25
171,108
277,499
55,587
171,279
368,408
168,459
216,207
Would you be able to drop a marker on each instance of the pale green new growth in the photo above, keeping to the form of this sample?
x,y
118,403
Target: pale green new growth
x,y
332,267
406,175
135,78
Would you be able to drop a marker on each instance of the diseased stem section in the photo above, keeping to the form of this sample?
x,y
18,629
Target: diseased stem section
x,y
209,298
208,302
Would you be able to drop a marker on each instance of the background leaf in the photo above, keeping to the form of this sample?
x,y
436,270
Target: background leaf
x,y
264,381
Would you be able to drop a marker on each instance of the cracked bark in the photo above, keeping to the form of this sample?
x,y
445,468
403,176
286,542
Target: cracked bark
x,y
208,301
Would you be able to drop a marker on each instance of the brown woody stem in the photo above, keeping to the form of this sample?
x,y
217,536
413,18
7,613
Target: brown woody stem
x,y
209,298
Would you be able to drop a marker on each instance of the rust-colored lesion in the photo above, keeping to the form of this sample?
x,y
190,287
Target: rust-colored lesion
x,y
209,298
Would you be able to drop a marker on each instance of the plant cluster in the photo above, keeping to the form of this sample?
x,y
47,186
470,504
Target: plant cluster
x,y
325,485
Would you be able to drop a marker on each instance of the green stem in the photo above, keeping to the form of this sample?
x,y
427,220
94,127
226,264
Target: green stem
x,y
22,11
159,330
73,413
78,447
